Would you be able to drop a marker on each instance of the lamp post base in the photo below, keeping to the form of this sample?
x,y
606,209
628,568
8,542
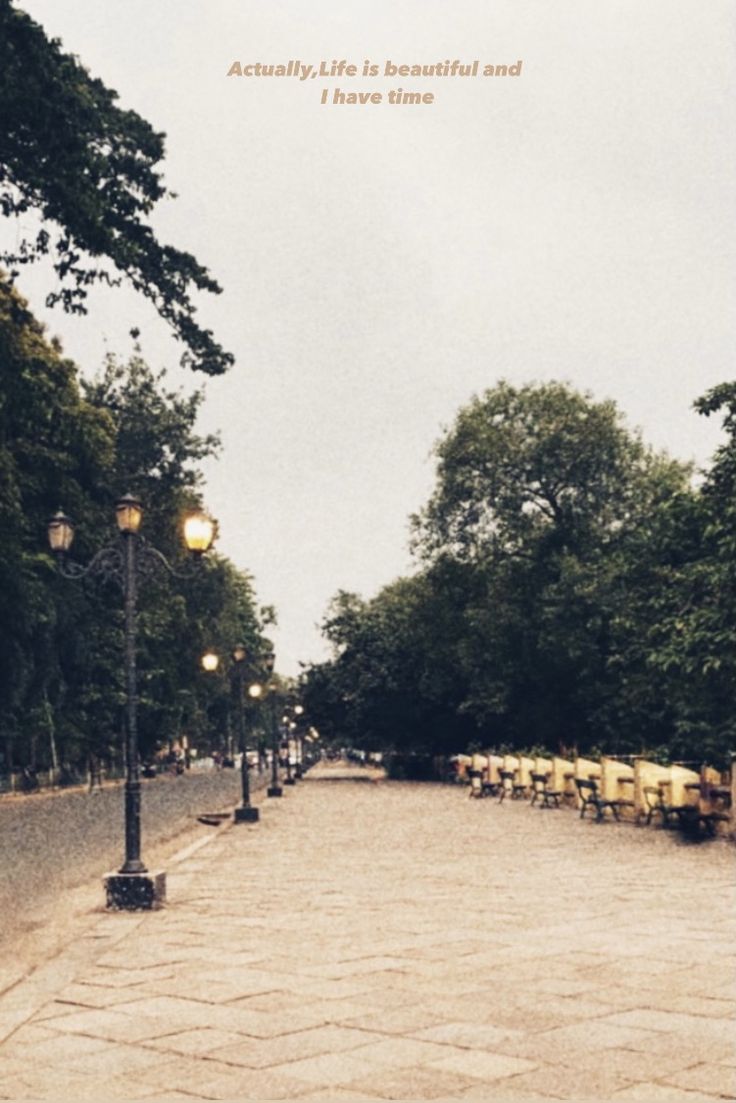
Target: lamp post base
x,y
246,815
135,891
275,791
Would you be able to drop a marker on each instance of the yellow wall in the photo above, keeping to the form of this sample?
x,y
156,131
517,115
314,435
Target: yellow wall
x,y
617,783
560,767
495,763
510,762
526,765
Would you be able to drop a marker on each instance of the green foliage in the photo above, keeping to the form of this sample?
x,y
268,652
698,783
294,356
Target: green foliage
x,y
693,643
574,593
61,689
88,167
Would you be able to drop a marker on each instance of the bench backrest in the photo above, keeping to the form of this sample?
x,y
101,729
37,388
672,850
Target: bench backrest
x,y
584,768
586,786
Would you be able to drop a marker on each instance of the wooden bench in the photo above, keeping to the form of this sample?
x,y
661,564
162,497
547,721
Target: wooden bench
x,y
590,797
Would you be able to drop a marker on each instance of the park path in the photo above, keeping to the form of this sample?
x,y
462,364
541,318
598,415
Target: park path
x,y
378,940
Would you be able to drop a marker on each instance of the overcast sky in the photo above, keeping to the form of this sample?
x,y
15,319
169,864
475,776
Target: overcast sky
x,y
383,263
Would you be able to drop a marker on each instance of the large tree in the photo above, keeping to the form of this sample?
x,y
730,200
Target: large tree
x,y
693,637
547,552
89,168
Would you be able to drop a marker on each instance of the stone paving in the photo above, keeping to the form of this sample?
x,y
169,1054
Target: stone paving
x,y
377,940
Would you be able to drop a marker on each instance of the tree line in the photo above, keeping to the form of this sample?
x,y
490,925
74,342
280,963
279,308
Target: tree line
x,y
83,444
80,178
574,589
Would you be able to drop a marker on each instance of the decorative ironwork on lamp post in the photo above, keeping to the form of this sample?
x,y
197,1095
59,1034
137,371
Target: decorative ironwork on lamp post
x,y
125,561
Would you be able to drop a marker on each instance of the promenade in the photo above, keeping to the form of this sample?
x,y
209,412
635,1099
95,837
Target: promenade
x,y
379,940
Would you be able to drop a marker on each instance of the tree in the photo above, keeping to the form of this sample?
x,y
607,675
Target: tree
x,y
392,684
548,551
545,494
53,447
693,638
61,687
68,151
530,469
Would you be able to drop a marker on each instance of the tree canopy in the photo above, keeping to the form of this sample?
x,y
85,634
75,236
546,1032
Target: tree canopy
x,y
89,168
82,446
573,590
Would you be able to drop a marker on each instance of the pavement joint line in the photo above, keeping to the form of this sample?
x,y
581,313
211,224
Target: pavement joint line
x,y
519,1065
89,948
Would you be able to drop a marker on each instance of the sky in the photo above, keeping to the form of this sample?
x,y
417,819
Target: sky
x,y
382,263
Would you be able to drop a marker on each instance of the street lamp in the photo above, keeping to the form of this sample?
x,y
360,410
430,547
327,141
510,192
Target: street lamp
x,y
291,721
274,790
246,813
286,729
210,662
299,749
125,561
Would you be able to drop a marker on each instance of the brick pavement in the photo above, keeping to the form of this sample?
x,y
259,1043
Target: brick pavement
x,y
395,941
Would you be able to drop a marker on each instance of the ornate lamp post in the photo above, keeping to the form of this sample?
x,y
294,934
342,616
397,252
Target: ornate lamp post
x,y
255,692
246,813
274,789
298,737
125,561
292,735
286,739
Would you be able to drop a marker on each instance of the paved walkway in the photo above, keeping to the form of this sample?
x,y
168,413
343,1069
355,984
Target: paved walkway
x,y
375,940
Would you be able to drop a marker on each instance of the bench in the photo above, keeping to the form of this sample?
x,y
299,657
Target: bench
x,y
476,783
550,798
590,797
507,783
519,790
655,802
690,818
